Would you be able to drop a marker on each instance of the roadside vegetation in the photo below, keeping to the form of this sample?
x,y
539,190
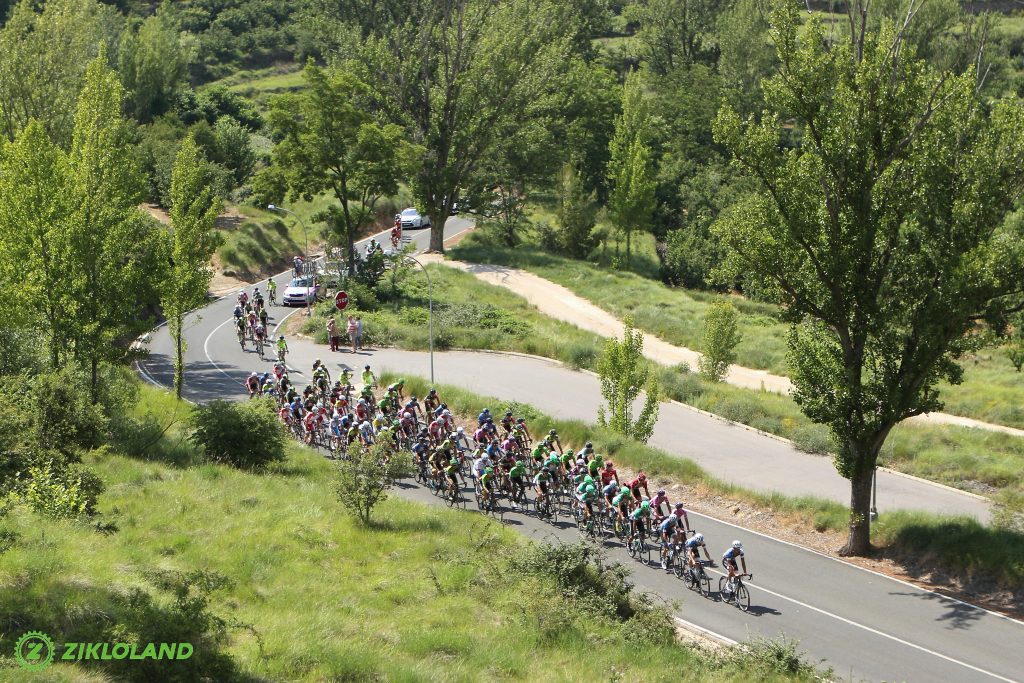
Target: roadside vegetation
x,y
259,543
992,391
470,314
971,554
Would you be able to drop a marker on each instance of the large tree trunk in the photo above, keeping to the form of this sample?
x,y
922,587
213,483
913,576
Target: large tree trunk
x,y
859,541
438,217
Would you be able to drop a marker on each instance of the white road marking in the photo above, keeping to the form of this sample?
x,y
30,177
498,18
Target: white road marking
x,y
863,569
206,350
872,630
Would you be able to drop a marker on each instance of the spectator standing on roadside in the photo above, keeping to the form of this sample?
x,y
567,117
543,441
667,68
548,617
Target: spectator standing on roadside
x,y
332,333
352,331
359,332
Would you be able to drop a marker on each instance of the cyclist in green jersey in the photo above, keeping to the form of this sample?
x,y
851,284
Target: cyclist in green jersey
x,y
487,485
282,347
451,471
541,481
272,291
622,501
638,517
515,475
538,453
369,379
568,459
586,494
594,466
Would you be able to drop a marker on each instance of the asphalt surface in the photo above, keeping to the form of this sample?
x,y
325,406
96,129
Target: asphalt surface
x,y
865,625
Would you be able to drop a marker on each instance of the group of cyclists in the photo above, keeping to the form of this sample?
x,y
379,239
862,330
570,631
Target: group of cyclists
x,y
252,318
500,457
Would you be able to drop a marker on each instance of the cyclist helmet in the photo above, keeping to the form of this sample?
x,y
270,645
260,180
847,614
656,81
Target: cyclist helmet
x,y
460,430
401,381
366,367
679,506
608,465
317,362
432,391
646,505
552,433
407,414
590,444
642,476
698,538
737,545
568,451
519,463
588,479
521,420
489,470
546,469
590,489
508,413
447,413
253,374
281,338
661,492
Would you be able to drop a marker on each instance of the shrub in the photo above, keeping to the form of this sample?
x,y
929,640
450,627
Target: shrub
x,y
366,475
63,417
185,618
245,435
580,355
721,336
60,490
813,438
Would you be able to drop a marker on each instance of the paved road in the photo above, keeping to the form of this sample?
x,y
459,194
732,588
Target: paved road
x,y
865,625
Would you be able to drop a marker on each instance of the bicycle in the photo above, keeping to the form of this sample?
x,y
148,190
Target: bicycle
x,y
241,339
638,547
740,595
696,579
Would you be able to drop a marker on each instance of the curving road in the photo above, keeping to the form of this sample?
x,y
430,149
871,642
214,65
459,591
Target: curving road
x,y
865,625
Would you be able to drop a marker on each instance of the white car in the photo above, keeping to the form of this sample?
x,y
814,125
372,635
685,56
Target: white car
x,y
301,291
412,219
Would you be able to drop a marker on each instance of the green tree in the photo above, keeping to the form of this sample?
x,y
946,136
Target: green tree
x,y
153,64
457,75
233,144
746,55
882,234
331,140
194,210
114,267
577,214
675,33
631,170
35,262
44,51
720,337
624,374
366,476
1015,348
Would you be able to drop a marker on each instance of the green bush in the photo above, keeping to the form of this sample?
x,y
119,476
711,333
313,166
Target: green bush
x,y
61,490
244,435
580,355
183,618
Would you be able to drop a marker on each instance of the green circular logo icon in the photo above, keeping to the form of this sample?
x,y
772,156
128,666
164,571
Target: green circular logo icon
x,y
34,651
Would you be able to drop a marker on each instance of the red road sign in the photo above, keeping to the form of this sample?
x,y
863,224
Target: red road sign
x,y
341,300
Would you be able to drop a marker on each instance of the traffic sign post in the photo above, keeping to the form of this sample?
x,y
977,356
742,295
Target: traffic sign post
x,y
341,300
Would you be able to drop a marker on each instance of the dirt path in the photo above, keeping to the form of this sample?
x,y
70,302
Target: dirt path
x,y
562,304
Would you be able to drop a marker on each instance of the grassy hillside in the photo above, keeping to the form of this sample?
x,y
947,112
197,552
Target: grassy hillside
x,y
270,580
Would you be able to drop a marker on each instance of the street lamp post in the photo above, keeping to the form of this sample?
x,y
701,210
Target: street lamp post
x,y
430,306
305,252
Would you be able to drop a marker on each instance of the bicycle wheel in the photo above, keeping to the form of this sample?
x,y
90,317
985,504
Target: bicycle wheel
x,y
703,583
678,565
742,597
722,593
